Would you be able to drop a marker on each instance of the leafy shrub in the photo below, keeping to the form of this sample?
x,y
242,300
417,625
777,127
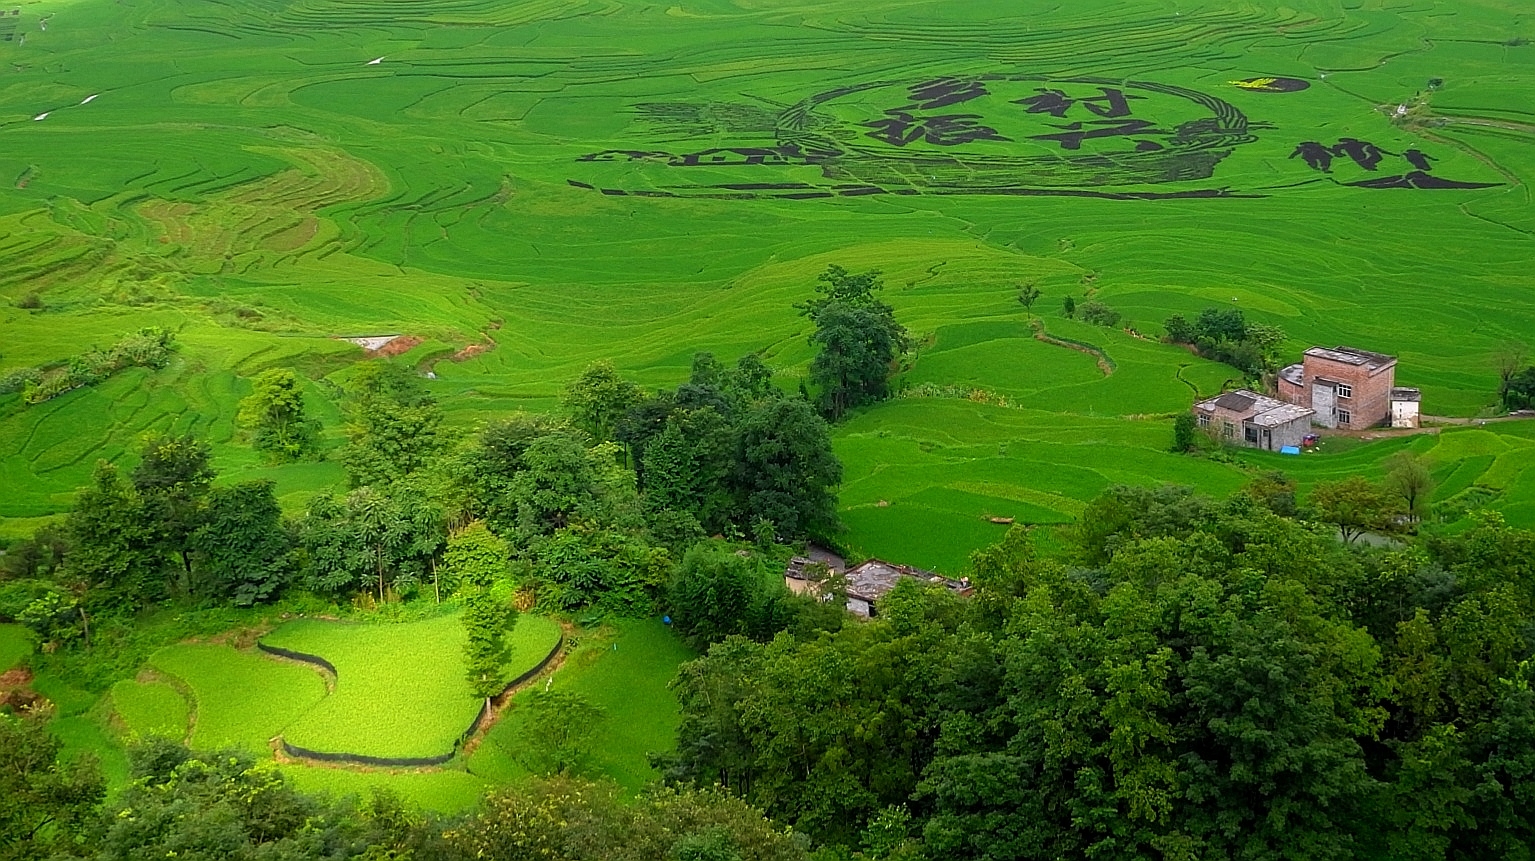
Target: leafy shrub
x,y
1099,314
18,379
147,348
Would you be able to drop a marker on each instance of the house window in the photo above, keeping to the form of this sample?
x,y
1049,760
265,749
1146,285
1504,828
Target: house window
x,y
1228,430
1252,435
1345,390
1204,420
1344,417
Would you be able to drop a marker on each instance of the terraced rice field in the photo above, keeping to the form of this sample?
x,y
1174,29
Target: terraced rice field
x,y
395,693
387,690
568,181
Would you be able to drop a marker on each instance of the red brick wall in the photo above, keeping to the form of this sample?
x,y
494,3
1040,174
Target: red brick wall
x,y
1370,402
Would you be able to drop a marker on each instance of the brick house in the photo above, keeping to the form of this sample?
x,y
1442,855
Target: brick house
x,y
1348,388
1256,421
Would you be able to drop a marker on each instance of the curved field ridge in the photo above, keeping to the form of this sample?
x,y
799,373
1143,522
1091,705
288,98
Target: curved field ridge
x,y
394,703
240,699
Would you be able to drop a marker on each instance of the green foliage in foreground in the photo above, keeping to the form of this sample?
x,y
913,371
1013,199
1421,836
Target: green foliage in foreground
x,y
226,805
1208,679
44,803
396,693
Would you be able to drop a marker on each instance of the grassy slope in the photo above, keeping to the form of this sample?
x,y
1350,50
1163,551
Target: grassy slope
x,y
267,190
15,644
629,683
211,197
397,692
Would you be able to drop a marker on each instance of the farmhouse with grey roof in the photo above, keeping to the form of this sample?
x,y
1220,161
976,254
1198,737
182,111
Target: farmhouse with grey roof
x,y
1253,420
866,583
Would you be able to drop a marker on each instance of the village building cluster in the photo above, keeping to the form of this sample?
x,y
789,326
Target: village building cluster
x,y
865,583
1336,388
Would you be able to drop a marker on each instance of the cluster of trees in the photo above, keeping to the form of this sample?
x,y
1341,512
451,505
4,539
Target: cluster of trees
x,y
162,532
1198,679
227,806
1225,335
592,508
589,510
147,348
1092,311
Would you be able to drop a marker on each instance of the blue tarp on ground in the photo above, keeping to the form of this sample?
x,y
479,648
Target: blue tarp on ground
x,y
1290,449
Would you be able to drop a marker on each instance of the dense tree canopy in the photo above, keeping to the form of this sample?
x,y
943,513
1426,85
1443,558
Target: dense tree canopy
x,y
392,425
1208,680
1225,335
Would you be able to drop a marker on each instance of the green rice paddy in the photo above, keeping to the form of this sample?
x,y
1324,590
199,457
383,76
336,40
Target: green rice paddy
x,y
554,183
494,179
240,699
395,694
151,708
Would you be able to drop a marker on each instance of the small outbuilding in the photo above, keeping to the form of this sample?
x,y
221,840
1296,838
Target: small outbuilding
x,y
1405,404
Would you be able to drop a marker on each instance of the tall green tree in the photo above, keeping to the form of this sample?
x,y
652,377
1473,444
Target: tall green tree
x,y
114,553
243,549
45,800
1356,505
839,285
558,730
273,415
172,480
856,348
1028,294
477,564
487,466
1408,476
689,466
598,400
713,593
786,472
392,425
371,539
857,339
558,485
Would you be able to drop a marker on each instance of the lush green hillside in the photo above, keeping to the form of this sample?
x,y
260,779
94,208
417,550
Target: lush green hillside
x,y
543,180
